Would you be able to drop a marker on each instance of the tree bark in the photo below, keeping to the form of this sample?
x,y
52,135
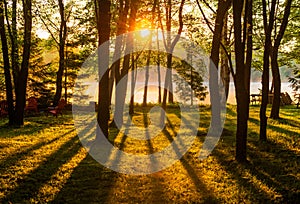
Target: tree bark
x,y
170,47
121,29
225,71
215,99
249,39
147,73
158,70
268,27
242,95
62,41
133,78
23,74
14,45
274,62
103,25
149,54
121,89
277,84
7,74
167,82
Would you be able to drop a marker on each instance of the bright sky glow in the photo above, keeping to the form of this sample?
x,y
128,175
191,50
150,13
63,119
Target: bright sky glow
x,y
145,33
42,34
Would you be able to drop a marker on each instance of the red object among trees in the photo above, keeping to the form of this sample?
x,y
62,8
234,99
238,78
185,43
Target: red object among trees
x,y
3,108
32,105
57,109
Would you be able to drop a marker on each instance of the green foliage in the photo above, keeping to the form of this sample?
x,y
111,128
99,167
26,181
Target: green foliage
x,y
191,78
41,76
295,80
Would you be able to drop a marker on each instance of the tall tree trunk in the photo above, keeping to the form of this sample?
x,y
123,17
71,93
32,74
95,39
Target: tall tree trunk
x,y
249,39
168,79
225,71
62,41
274,62
276,83
7,74
190,61
268,27
66,75
241,88
121,29
15,61
170,47
149,54
133,78
167,82
23,74
147,73
223,7
121,89
102,8
158,69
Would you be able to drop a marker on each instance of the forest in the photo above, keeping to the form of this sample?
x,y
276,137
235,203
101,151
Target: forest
x,y
130,101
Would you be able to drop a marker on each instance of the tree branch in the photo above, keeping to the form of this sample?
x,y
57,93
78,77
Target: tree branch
x,y
46,26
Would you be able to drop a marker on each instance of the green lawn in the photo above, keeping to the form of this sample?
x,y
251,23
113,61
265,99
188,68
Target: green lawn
x,y
44,162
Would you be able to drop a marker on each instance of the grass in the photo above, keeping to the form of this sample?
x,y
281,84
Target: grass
x,y
44,162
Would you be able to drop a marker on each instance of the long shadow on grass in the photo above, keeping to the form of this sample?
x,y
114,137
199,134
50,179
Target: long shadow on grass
x,y
274,128
159,186
14,158
200,185
276,174
266,169
29,186
90,182
150,146
36,124
271,170
237,172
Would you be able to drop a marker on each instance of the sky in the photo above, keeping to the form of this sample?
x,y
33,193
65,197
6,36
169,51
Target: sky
x,y
42,33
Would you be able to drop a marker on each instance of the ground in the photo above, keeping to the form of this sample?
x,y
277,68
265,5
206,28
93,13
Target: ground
x,y
44,162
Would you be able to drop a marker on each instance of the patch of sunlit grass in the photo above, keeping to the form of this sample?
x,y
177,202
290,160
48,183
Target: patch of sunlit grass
x,y
45,162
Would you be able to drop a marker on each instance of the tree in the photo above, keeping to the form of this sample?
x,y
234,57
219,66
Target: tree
x,y
295,80
7,72
268,27
20,71
158,68
220,39
149,53
188,75
58,34
61,43
169,46
121,89
41,77
133,80
243,37
21,82
225,60
223,7
102,10
114,76
274,61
